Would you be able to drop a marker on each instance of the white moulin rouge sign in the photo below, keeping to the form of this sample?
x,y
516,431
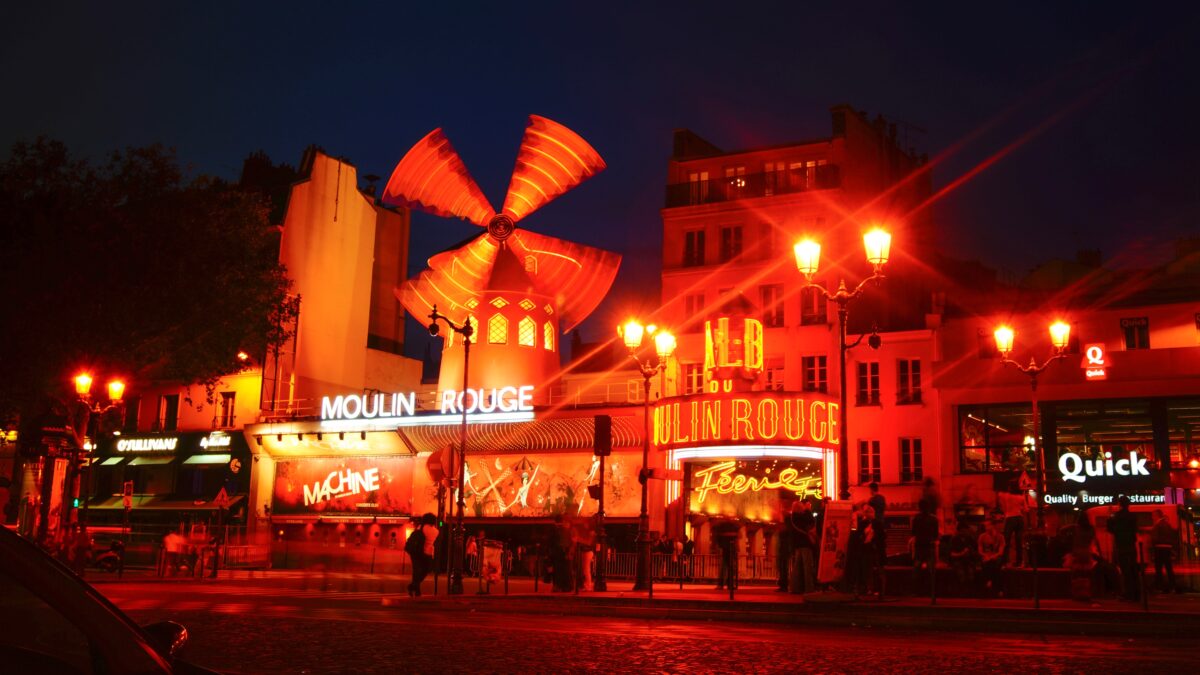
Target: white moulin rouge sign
x,y
450,403
342,484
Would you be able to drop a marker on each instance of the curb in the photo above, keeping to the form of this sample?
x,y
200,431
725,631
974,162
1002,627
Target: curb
x,y
851,614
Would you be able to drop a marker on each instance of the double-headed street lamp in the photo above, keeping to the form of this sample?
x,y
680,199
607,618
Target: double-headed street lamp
x,y
458,535
88,407
1060,336
878,244
633,333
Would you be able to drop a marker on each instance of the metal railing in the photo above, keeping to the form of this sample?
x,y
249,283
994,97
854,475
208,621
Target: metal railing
x,y
753,185
703,567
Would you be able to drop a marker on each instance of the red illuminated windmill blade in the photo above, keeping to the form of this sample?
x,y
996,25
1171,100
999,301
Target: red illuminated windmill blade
x,y
553,159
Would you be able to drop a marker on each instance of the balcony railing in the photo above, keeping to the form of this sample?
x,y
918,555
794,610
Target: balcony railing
x,y
753,185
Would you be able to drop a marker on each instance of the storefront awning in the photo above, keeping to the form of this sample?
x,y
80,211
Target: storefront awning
x,y
112,461
215,458
157,503
572,433
147,461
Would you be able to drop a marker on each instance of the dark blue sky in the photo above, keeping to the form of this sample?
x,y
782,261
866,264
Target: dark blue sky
x,y
1107,100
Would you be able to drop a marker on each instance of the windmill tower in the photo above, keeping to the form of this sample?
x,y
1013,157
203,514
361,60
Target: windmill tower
x,y
521,290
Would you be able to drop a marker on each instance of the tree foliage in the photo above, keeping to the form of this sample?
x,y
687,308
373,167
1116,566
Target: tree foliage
x,y
130,268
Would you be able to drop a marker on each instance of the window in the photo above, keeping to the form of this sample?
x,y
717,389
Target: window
x,y
868,383
548,336
497,330
908,381
996,438
868,462
168,412
1137,332
771,300
693,309
697,187
773,375
815,371
527,332
735,181
731,242
910,460
693,378
693,248
774,178
813,173
225,412
812,307
771,245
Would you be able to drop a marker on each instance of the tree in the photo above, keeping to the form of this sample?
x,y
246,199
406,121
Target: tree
x,y
130,267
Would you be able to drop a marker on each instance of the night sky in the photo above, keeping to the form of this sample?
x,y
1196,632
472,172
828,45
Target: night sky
x,y
1091,113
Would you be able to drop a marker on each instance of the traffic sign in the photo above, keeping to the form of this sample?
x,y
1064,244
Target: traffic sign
x,y
222,499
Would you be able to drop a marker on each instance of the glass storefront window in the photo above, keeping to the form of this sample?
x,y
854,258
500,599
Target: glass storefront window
x,y
1183,429
996,438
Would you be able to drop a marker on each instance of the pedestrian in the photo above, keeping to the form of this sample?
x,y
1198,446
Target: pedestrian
x,y
172,550
1163,538
725,534
879,504
1014,506
925,529
803,573
784,546
991,555
689,549
420,547
1124,528
963,551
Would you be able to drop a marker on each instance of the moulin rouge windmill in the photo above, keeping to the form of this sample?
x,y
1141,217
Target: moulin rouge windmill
x,y
521,290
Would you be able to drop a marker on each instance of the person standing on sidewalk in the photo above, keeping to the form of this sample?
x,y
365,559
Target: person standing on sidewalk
x,y
802,576
725,533
925,540
991,553
784,547
420,547
1014,506
1164,538
1124,529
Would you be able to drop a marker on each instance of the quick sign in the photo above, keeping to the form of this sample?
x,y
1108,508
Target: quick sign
x,y
1094,363
1077,469
158,444
750,418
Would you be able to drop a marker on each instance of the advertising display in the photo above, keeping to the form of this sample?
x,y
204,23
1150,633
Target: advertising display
x,y
350,485
750,489
542,485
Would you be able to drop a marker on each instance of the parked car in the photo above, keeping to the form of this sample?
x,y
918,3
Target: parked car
x,y
52,621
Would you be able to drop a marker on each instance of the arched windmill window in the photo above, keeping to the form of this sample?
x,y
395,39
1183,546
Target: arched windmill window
x,y
527,332
497,330
548,336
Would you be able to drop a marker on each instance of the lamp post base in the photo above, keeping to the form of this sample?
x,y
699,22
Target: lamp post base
x,y
641,580
454,584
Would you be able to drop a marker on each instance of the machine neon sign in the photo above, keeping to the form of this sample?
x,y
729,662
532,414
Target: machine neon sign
x,y
349,482
722,479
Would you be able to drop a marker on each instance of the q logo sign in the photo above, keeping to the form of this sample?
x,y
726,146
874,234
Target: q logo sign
x,y
1095,362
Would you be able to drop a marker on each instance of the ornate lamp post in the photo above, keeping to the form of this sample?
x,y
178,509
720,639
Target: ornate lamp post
x,y
632,333
83,388
458,534
1060,336
878,244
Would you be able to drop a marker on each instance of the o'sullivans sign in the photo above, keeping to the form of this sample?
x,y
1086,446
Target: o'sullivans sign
x,y
749,418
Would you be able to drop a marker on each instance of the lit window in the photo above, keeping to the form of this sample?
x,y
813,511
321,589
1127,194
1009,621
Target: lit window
x,y
497,330
910,460
531,264
471,303
908,381
225,414
1137,332
548,336
548,308
693,378
771,300
698,187
774,375
527,332
868,383
868,462
499,302
815,370
526,304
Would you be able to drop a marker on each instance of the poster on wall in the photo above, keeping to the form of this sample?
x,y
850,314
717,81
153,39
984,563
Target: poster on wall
x,y
835,539
541,485
751,490
371,485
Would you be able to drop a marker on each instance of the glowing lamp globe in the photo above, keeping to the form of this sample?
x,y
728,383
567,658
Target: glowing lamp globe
x,y
808,256
83,384
1004,340
1060,334
878,245
664,344
632,332
116,390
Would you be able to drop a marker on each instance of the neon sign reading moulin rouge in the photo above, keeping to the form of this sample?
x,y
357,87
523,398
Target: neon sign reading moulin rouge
x,y
746,419
450,402
348,482
722,479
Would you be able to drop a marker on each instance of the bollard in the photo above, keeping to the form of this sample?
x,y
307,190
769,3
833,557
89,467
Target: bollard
x,y
537,567
373,550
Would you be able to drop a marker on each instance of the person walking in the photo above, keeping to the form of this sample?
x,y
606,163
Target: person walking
x,y
420,547
725,533
803,525
963,551
173,545
1124,529
1163,538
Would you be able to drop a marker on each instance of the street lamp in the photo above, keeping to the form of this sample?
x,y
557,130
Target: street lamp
x,y
633,333
877,243
457,539
83,389
1060,336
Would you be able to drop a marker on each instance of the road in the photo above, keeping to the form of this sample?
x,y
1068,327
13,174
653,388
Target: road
x,y
296,626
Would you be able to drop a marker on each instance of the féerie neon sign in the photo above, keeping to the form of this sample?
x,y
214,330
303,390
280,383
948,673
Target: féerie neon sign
x,y
722,479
